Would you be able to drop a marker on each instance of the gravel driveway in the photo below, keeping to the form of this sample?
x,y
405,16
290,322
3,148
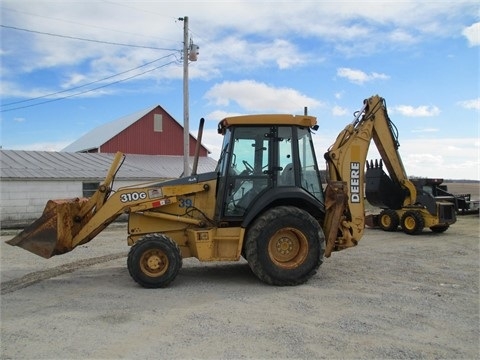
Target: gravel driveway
x,y
394,296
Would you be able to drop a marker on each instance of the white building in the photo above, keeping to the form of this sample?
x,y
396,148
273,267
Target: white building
x,y
28,179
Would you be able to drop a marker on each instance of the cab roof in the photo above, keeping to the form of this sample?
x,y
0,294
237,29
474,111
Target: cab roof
x,y
268,119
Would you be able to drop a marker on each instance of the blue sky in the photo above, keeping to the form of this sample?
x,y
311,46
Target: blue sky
x,y
254,57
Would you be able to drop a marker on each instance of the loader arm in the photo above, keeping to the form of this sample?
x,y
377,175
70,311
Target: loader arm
x,y
346,161
101,194
65,224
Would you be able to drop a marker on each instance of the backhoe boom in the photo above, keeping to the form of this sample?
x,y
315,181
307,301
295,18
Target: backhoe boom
x,y
346,162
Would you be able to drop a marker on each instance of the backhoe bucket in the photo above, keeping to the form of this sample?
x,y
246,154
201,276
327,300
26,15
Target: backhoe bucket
x,y
53,232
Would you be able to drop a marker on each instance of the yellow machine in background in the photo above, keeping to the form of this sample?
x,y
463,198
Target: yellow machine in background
x,y
403,202
264,202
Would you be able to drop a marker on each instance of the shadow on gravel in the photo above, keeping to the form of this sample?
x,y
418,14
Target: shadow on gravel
x,y
224,273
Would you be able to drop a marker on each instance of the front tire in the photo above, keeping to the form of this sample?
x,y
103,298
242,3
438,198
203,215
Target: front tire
x,y
154,261
412,222
285,246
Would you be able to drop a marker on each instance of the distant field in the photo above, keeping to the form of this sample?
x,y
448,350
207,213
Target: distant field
x,y
465,188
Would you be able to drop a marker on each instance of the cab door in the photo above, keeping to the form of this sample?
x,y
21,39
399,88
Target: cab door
x,y
247,170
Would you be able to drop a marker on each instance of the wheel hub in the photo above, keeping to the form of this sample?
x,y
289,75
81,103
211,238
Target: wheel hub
x,y
284,245
386,221
288,248
410,223
154,263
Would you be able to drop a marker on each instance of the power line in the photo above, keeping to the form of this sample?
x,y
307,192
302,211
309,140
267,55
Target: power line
x,y
84,85
3,8
84,39
90,90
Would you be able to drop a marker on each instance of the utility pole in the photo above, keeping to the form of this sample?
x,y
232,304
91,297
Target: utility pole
x,y
190,52
186,131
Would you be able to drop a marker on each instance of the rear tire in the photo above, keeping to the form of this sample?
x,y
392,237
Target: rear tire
x,y
388,220
285,246
412,222
154,261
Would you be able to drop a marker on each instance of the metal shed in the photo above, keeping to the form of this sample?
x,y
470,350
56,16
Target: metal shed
x,y
28,179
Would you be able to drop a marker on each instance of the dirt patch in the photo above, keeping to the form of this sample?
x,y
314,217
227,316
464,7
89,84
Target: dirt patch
x,y
37,276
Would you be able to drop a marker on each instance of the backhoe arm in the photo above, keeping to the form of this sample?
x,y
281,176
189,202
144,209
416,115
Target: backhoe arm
x,y
346,160
385,139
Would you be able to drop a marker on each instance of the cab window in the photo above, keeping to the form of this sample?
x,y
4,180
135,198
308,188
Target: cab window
x,y
309,175
247,174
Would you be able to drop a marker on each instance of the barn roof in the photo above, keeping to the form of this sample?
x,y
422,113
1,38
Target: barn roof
x,y
101,134
47,165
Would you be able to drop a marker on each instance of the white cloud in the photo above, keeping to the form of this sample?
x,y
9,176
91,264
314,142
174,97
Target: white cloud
x,y
420,111
41,146
219,115
402,36
359,76
415,162
472,33
339,111
236,54
12,89
285,54
425,130
259,97
74,79
470,104
268,38
448,158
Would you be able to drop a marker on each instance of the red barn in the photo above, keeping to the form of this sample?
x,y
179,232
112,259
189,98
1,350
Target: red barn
x,y
149,132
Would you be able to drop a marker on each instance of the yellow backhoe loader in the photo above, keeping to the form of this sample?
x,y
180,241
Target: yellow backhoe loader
x,y
264,202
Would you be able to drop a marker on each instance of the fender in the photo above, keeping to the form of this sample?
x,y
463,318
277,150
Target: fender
x,y
284,196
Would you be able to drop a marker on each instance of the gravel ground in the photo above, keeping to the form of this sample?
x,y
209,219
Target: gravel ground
x,y
394,296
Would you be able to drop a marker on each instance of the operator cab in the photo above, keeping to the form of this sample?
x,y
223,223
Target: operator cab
x,y
265,156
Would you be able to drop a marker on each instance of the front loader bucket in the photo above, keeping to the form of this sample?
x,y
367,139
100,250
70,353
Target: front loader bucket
x,y
53,232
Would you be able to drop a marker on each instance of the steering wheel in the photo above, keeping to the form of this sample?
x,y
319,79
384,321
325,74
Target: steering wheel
x,y
248,166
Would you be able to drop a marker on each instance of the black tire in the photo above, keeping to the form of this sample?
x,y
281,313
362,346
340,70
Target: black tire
x,y
412,222
388,220
285,246
439,228
154,261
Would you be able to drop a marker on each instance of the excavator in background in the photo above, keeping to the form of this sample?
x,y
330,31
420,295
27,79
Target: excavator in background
x,y
264,202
